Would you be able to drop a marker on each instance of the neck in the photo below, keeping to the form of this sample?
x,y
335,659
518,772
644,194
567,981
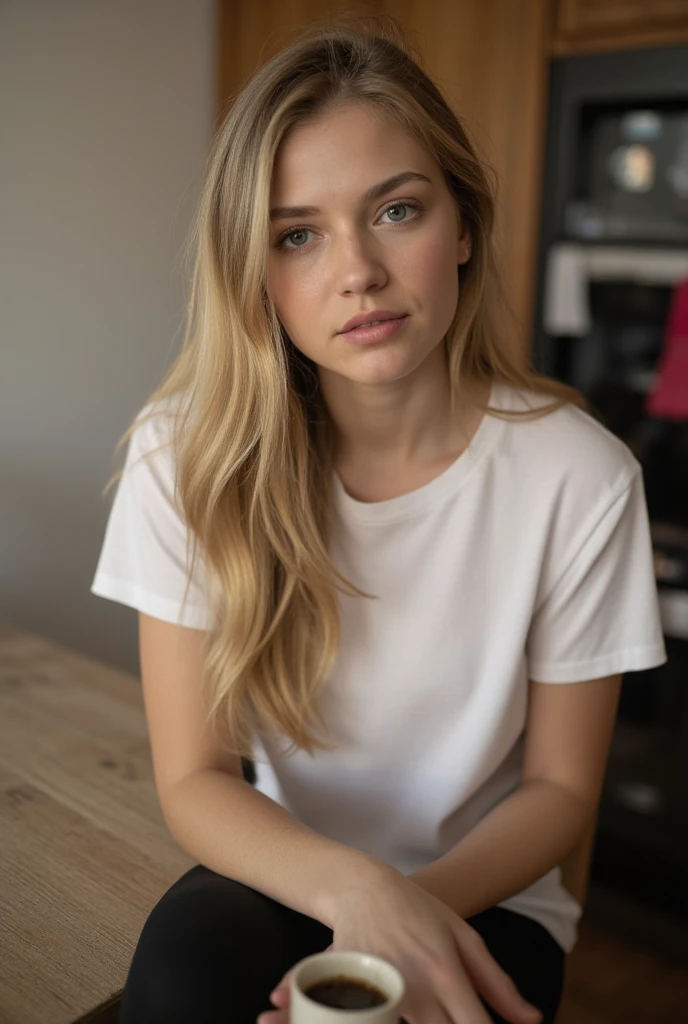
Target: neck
x,y
407,423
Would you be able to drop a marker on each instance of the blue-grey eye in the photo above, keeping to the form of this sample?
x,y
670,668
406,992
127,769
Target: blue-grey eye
x,y
399,206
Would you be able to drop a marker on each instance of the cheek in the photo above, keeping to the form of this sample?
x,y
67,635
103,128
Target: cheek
x,y
294,293
433,276
296,302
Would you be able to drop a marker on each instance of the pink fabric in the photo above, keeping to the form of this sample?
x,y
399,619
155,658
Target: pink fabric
x,y
669,399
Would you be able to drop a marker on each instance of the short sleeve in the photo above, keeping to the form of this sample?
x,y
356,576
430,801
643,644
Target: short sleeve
x,y
143,560
601,616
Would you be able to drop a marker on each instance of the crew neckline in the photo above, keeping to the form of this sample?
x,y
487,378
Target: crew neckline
x,y
440,487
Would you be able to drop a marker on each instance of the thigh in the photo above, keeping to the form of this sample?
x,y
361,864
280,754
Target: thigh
x,y
213,949
528,954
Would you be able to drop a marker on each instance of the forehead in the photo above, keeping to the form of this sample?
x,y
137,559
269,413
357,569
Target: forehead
x,y
344,152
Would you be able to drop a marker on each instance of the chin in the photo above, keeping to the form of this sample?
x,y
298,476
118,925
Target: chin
x,y
385,367
379,376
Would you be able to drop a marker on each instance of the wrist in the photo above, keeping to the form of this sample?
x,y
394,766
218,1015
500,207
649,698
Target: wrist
x,y
349,870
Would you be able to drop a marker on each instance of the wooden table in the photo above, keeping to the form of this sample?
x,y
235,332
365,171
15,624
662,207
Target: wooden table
x,y
84,852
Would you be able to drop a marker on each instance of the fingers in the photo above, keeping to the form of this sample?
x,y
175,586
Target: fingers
x,y
274,1017
493,983
281,993
280,997
456,994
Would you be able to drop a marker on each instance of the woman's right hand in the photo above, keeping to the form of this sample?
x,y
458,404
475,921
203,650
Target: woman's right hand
x,y
443,961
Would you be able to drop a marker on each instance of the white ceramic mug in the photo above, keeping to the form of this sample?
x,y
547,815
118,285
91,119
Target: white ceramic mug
x,y
350,964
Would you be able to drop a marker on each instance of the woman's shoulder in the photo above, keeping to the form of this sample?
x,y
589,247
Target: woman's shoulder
x,y
153,428
150,465
567,443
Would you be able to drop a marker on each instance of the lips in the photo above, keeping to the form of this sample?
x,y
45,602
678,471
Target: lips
x,y
373,335
362,319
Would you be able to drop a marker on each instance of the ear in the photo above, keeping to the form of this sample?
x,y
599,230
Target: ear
x,y
463,245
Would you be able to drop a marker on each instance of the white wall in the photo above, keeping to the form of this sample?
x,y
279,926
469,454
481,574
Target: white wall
x,y
106,111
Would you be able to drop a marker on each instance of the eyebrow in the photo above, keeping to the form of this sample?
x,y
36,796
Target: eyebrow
x,y
382,187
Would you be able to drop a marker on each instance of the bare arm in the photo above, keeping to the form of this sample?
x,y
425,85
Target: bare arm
x,y
211,811
568,735
238,832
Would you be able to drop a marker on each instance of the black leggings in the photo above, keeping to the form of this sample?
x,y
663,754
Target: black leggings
x,y
212,951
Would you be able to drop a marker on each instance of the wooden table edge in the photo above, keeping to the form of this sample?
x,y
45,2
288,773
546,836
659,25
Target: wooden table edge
x,y
106,1013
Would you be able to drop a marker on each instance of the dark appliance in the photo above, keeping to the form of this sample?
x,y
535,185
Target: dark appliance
x,y
613,251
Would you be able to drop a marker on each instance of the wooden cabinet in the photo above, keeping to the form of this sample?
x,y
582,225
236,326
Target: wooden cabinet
x,y
588,25
489,58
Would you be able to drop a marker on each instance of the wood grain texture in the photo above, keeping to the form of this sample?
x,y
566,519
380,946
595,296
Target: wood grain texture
x,y
580,17
590,26
490,59
84,851
107,1013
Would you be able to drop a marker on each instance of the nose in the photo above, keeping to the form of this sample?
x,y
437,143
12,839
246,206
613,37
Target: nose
x,y
358,265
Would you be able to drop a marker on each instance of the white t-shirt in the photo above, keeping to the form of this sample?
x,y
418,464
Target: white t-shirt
x,y
528,558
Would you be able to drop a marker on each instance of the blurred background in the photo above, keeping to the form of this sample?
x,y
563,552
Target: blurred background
x,y
107,108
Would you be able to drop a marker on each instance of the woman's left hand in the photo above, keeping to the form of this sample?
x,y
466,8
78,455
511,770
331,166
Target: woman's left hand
x,y
280,997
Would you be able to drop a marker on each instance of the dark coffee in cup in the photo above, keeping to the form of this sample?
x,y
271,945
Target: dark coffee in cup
x,y
344,993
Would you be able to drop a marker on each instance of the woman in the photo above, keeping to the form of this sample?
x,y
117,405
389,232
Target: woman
x,y
398,571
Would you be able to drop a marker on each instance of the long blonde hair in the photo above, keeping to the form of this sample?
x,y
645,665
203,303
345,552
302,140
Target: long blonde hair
x,y
252,439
